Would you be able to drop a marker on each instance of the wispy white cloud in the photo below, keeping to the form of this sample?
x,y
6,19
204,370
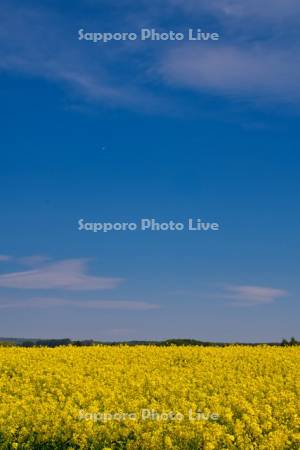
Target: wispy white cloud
x,y
33,260
5,257
67,275
46,302
40,42
256,72
268,10
244,295
257,58
234,294
258,61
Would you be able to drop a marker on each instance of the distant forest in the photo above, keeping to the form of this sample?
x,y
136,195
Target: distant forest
x,y
7,342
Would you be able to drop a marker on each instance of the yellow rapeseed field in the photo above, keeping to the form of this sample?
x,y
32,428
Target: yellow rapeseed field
x,y
150,398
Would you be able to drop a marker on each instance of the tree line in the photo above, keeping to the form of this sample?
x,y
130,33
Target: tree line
x,y
166,343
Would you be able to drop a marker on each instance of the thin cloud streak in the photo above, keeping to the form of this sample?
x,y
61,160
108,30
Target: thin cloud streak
x,y
45,302
268,10
244,66
256,72
44,45
244,295
66,275
234,294
5,258
33,261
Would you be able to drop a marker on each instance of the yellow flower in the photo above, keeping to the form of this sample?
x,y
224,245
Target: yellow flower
x,y
152,398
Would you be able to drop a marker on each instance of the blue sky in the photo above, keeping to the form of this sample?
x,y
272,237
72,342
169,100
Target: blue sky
x,y
170,130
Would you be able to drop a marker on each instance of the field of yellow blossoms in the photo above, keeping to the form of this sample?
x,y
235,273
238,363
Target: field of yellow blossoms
x,y
150,398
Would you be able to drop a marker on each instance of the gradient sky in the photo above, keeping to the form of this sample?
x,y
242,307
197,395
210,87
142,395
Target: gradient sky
x,y
171,130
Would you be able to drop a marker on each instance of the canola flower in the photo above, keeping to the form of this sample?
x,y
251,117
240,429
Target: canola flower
x,y
150,398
